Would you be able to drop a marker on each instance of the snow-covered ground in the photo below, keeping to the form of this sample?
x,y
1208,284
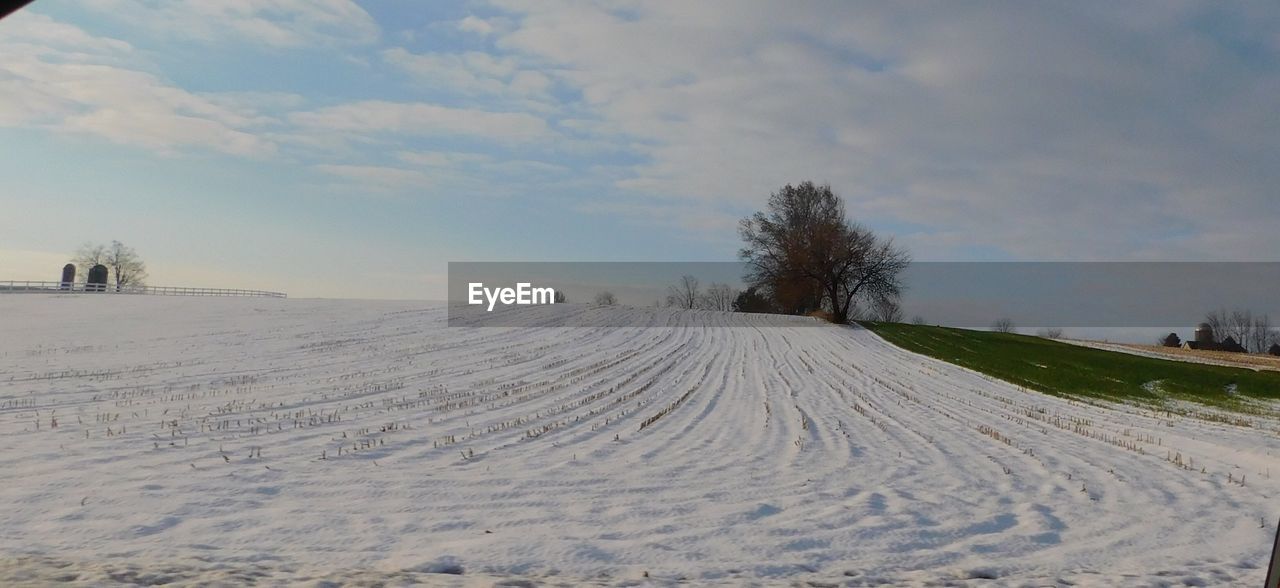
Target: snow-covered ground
x,y
200,440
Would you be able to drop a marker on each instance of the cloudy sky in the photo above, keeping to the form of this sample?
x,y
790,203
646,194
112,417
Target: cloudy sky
x,y
350,149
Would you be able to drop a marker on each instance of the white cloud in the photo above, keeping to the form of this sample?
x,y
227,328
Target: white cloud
x,y
282,23
472,73
251,103
707,222
166,131
974,127
418,118
445,159
479,26
530,83
377,177
1014,128
43,34
480,167
58,76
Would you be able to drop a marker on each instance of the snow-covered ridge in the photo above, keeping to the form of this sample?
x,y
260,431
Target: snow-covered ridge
x,y
320,439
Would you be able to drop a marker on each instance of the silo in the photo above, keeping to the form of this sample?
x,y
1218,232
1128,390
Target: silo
x,y
1204,333
68,276
97,281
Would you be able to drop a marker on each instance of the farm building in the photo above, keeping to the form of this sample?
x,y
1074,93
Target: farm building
x,y
1230,344
1203,338
1205,341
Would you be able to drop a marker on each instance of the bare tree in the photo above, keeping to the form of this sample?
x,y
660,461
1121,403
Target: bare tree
x,y
606,298
87,256
685,293
719,297
125,265
917,320
1217,321
1253,332
807,255
1240,326
1260,334
857,312
1050,333
559,298
886,310
1003,325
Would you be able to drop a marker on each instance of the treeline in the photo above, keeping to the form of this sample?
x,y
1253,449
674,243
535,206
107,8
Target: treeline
x,y
1253,332
688,294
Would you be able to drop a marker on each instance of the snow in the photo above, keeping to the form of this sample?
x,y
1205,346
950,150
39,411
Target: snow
x,y
204,440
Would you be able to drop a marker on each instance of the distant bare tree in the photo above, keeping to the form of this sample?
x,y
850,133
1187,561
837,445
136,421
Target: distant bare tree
x,y
87,256
1240,326
1256,337
606,298
885,309
857,312
559,298
1217,321
1253,332
1050,333
1003,325
917,320
1262,336
719,297
685,293
126,267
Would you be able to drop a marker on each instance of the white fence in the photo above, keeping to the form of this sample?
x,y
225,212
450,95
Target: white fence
x,y
19,287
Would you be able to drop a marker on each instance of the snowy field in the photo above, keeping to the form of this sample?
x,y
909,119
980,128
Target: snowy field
x,y
203,440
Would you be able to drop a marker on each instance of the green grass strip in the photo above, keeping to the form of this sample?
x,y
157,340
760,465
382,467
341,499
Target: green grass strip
x,y
1071,370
